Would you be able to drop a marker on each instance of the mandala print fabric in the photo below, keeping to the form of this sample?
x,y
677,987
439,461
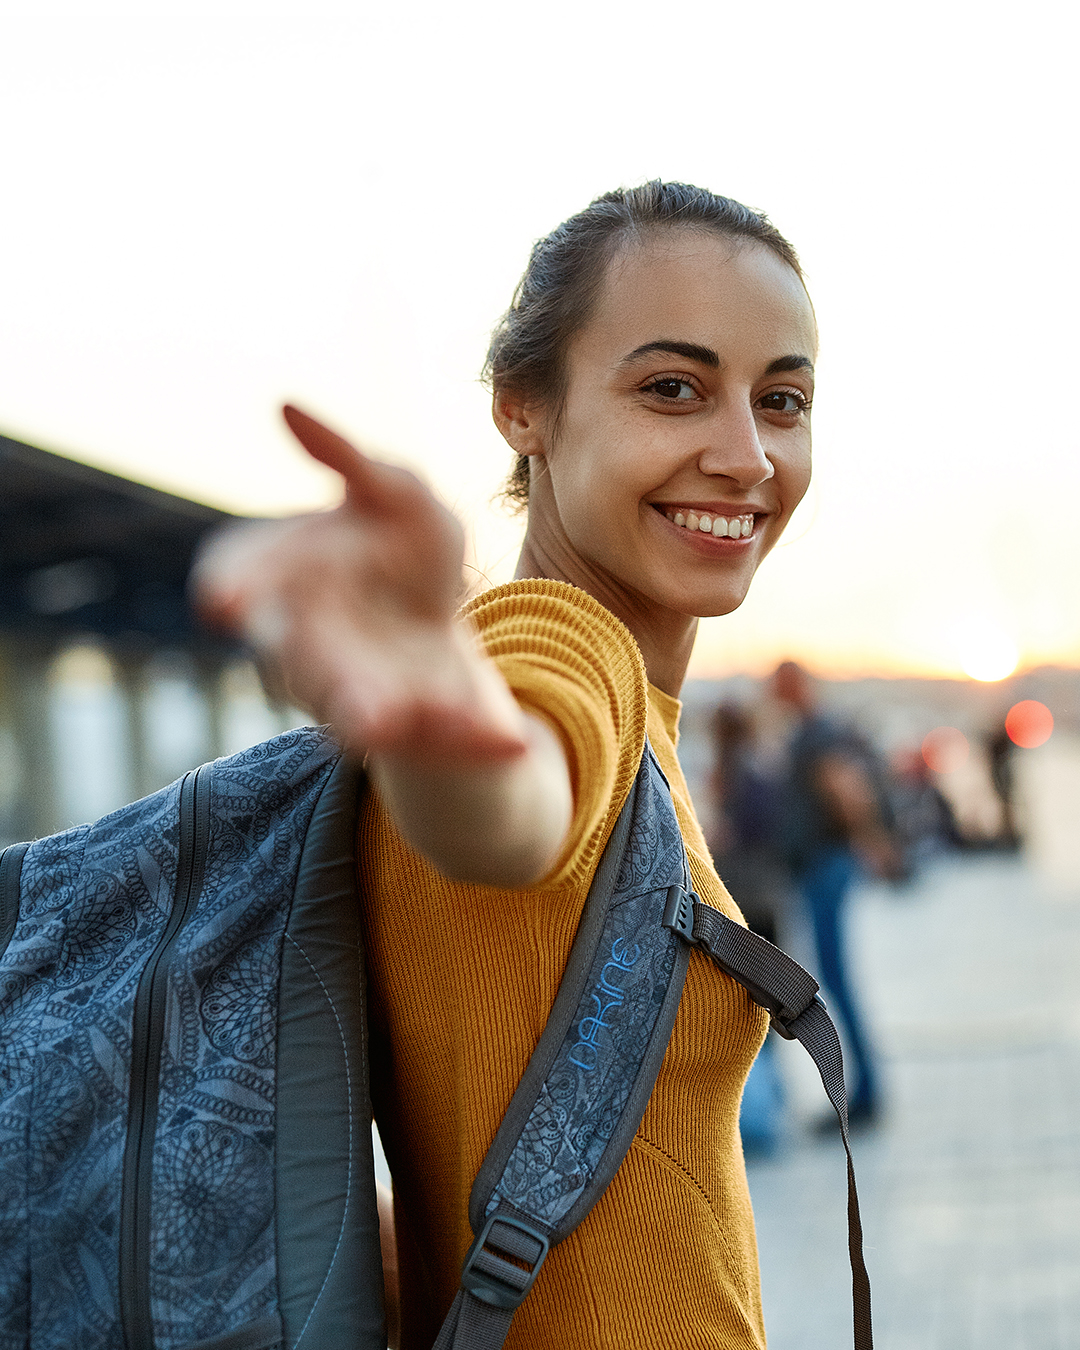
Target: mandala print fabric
x,y
93,907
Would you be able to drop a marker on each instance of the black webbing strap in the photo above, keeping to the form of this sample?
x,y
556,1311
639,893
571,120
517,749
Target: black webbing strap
x,y
499,1271
474,1324
790,995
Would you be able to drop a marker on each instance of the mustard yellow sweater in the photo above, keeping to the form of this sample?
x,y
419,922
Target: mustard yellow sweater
x,y
462,979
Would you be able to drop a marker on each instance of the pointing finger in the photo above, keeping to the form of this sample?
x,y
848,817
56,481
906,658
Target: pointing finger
x,y
323,444
369,483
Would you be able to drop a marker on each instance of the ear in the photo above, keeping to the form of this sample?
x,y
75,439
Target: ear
x,y
524,426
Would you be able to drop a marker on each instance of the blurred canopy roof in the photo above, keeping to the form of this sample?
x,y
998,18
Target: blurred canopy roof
x,y
87,552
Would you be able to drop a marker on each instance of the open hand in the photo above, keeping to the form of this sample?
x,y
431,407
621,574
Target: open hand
x,y
355,609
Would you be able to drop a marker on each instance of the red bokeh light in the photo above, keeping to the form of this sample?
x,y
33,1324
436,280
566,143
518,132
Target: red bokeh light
x,y
1029,723
945,749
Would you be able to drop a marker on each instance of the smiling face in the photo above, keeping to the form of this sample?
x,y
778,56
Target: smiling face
x,y
683,444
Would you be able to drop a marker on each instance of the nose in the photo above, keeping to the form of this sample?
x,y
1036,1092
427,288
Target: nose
x,y
734,449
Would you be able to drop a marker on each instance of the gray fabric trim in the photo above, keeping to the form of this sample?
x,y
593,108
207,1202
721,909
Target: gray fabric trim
x,y
328,1256
11,860
149,1017
265,1334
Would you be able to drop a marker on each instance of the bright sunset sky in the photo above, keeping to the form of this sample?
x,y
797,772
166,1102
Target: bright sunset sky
x,y
210,207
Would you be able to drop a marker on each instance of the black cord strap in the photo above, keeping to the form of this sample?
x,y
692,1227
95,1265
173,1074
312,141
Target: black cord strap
x,y
790,995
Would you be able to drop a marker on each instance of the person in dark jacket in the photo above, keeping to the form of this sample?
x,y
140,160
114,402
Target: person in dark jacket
x,y
745,841
835,827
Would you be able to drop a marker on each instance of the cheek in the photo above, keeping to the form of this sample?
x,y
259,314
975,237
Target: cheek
x,y
587,463
794,471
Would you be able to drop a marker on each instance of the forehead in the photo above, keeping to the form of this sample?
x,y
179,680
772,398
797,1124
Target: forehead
x,y
733,295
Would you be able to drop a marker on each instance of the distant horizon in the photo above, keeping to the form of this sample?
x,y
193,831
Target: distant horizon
x,y
706,663
213,208
855,676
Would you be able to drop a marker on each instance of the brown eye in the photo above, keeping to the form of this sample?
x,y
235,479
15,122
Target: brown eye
x,y
672,389
784,401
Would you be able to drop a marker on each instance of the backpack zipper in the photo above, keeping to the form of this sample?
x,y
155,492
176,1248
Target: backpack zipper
x,y
147,1038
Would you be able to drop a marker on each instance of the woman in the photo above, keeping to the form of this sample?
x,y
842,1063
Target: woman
x,y
654,378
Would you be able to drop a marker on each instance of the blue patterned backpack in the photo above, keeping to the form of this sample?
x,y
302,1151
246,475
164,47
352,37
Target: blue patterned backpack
x,y
185,1128
185,1124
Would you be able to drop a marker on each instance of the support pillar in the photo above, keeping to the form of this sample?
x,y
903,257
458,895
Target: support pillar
x,y
210,679
131,672
36,810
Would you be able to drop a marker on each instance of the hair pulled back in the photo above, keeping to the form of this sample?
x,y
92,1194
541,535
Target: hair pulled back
x,y
555,297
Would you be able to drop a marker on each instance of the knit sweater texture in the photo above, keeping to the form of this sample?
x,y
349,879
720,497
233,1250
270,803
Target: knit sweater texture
x,y
462,978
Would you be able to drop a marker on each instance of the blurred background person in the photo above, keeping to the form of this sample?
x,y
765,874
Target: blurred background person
x,y
835,825
748,796
1000,756
745,840
925,822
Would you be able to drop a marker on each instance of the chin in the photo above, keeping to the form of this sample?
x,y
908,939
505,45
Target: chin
x,y
719,610
715,606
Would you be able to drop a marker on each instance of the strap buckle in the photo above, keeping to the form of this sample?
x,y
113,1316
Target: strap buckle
x,y
782,1025
501,1267
679,911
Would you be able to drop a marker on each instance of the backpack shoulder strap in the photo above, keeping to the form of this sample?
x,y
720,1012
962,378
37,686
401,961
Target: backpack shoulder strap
x,y
582,1096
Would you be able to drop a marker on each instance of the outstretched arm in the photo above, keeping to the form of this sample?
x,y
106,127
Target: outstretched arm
x,y
354,610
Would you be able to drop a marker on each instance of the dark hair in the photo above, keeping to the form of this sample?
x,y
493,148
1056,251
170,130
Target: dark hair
x,y
555,297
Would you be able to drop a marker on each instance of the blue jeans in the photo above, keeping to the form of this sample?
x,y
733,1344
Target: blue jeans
x,y
825,883
761,1115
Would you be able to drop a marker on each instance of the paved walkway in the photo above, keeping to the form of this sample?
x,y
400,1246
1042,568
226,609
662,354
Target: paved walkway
x,y
971,1187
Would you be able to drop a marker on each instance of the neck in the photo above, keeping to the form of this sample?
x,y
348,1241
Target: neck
x,y
665,638
666,650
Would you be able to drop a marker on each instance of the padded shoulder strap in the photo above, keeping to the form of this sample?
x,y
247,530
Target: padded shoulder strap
x,y
599,1055
581,1099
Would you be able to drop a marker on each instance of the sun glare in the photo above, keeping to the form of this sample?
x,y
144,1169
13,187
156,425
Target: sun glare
x,y
987,653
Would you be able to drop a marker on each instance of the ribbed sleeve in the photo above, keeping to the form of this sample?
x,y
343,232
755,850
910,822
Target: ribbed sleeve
x,y
462,979
573,663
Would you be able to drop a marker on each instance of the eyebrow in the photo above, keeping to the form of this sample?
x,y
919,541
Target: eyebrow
x,y
705,356
691,350
783,363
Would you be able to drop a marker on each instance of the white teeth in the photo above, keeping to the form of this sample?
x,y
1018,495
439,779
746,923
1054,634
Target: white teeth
x,y
720,527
